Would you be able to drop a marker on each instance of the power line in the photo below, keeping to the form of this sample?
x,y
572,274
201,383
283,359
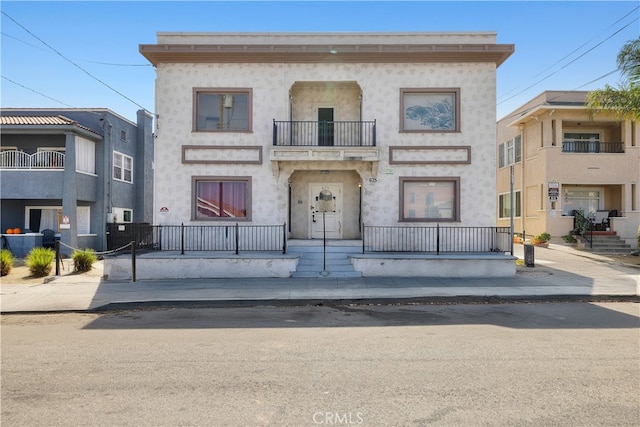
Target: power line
x,y
35,91
80,59
574,60
73,63
520,113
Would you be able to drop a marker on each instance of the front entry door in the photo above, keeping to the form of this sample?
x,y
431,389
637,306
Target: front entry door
x,y
325,217
325,126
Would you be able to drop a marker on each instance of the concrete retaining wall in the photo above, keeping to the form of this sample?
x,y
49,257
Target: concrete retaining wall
x,y
480,266
198,268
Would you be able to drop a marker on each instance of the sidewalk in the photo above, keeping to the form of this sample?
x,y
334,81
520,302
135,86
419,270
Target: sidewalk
x,y
559,272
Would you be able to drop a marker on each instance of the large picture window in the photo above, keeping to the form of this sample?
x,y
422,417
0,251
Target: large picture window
x,y
222,110
122,167
429,199
430,110
221,198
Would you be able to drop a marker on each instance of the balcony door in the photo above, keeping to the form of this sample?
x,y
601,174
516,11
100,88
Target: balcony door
x,y
325,126
326,211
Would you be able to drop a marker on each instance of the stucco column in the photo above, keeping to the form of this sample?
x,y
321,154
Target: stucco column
x,y
558,129
547,133
69,236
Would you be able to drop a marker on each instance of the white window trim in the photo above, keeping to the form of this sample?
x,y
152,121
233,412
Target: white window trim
x,y
113,169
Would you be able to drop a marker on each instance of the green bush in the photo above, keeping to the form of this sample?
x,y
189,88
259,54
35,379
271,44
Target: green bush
x,y
569,238
83,260
39,261
6,261
541,238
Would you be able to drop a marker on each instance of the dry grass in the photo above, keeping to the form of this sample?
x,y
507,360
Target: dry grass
x,y
20,274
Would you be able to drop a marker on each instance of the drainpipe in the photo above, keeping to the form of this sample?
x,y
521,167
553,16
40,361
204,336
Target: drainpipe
x,y
523,191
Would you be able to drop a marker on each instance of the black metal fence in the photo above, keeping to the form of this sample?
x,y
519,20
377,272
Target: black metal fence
x,y
230,238
436,239
235,238
324,133
581,146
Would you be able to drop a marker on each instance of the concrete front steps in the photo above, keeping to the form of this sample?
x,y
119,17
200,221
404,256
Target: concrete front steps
x,y
313,261
604,242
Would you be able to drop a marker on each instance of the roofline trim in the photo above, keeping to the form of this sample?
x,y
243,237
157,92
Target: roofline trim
x,y
325,53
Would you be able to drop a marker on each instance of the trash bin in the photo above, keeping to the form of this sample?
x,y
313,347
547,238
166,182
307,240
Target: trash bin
x,y
529,259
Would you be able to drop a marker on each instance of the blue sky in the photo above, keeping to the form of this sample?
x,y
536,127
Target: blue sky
x,y
85,53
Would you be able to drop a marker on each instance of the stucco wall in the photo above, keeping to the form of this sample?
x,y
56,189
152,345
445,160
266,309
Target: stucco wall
x,y
380,85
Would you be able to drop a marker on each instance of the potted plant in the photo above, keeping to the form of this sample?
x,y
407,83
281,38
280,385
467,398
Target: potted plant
x,y
541,239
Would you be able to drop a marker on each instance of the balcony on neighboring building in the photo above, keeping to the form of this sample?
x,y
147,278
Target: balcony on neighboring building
x,y
591,146
353,133
20,160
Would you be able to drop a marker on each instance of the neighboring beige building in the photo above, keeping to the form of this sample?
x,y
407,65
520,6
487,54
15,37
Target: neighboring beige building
x,y
566,160
280,127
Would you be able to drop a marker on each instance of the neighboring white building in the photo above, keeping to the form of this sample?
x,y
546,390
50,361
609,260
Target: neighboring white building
x,y
384,129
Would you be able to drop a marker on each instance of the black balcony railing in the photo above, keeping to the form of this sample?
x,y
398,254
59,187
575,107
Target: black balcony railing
x,y
581,146
435,239
324,133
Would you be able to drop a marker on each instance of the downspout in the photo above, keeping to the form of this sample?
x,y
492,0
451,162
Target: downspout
x,y
523,191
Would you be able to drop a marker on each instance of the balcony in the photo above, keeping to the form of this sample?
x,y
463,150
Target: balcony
x,y
42,160
592,146
324,141
324,133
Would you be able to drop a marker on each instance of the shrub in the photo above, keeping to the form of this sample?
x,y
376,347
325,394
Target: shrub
x,y
541,238
83,260
6,261
569,238
40,261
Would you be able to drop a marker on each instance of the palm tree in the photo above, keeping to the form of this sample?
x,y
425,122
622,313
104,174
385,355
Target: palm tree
x,y
624,101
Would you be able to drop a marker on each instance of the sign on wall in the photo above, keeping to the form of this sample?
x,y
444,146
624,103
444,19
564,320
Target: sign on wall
x,y
553,190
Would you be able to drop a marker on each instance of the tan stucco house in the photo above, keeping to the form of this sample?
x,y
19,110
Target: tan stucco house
x,y
566,159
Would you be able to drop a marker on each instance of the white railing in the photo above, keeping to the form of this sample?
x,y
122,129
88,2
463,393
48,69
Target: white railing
x,y
13,159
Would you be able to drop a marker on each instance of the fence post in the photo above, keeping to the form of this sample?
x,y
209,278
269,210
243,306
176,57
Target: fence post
x,y
237,237
437,239
57,257
182,238
284,238
133,261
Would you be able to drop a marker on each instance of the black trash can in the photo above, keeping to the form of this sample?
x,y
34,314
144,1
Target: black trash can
x,y
529,258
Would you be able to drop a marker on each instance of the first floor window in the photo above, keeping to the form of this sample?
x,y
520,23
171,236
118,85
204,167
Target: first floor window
x,y
222,198
505,205
582,199
429,199
84,219
122,167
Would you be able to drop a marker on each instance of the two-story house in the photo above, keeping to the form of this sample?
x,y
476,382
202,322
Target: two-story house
x,y
567,160
331,134
73,171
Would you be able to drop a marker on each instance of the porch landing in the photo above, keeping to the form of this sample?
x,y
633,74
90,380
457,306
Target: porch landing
x,y
344,258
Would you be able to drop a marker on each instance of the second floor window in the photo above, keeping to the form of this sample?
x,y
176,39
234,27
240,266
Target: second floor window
x,y
85,155
122,167
510,152
223,110
430,110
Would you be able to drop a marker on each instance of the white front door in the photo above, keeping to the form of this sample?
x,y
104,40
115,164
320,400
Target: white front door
x,y
325,218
